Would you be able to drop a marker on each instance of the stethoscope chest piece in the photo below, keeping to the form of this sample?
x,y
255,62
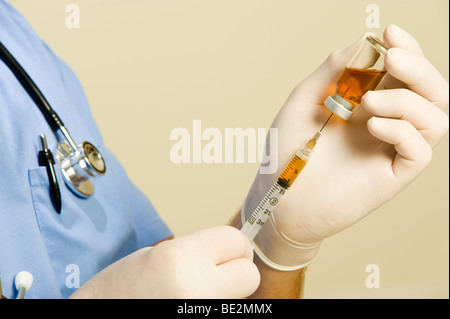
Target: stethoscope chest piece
x,y
79,165
78,162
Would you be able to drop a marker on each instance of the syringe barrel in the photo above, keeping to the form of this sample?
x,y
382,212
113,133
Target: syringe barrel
x,y
262,212
297,163
268,204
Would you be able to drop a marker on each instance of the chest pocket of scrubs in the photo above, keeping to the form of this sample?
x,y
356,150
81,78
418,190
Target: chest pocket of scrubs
x,y
89,234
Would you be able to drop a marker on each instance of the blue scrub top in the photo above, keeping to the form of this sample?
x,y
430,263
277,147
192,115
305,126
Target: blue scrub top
x,y
89,234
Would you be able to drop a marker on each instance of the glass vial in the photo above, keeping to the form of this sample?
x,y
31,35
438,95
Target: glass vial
x,y
363,73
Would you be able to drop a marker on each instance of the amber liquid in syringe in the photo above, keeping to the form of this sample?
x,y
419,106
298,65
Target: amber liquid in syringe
x,y
352,84
267,205
291,172
296,165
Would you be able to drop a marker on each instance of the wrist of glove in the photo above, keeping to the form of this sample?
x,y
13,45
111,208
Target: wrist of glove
x,y
277,250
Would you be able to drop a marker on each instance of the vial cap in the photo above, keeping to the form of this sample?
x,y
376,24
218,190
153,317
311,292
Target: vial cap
x,y
339,106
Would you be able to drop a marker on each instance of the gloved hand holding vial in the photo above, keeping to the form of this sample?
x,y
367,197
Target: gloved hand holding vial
x,y
363,73
382,115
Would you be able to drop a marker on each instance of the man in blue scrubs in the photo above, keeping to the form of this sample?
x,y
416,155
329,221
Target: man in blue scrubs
x,y
90,233
104,239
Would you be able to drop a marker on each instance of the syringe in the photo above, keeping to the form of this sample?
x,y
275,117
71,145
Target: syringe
x,y
363,73
268,204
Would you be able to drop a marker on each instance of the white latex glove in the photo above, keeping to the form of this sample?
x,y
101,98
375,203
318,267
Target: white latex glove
x,y
212,263
358,164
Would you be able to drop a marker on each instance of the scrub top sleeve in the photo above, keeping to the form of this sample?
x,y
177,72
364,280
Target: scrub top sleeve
x,y
150,228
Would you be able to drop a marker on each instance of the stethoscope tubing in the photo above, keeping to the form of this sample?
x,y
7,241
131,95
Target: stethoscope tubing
x,y
33,91
24,279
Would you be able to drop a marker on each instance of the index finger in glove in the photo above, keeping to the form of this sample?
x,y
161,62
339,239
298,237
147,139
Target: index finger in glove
x,y
418,74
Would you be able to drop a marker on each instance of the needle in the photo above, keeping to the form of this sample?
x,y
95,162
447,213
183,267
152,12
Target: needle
x,y
326,123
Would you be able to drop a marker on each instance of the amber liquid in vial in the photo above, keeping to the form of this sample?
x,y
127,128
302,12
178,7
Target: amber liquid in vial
x,y
352,84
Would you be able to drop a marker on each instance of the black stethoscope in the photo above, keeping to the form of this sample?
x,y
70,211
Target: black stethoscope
x,y
78,163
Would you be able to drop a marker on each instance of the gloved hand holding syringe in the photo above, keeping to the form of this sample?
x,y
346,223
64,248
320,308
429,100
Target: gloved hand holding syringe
x,y
363,73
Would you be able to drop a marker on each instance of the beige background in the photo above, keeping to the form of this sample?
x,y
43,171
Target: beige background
x,y
151,66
